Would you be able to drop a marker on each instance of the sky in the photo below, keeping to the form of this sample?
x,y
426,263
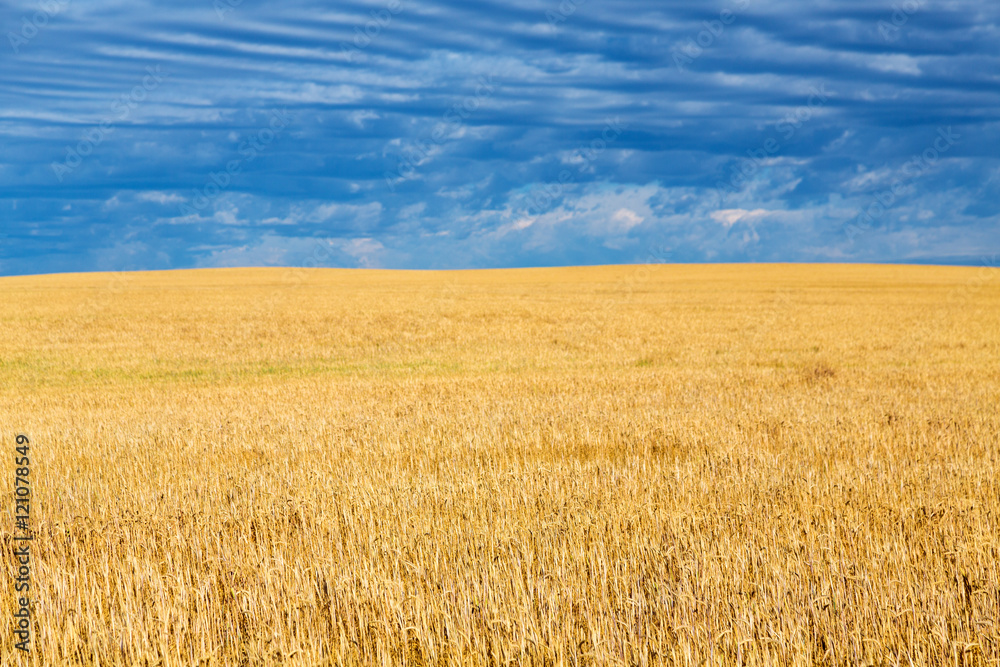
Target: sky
x,y
439,134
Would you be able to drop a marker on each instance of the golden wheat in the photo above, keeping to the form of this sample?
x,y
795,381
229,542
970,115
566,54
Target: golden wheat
x,y
751,465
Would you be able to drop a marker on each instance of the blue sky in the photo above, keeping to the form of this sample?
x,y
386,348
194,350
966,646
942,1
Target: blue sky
x,y
465,134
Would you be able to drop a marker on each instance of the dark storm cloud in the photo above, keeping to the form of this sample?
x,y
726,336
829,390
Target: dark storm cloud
x,y
456,134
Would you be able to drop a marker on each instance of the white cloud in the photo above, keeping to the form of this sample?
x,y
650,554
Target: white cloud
x,y
359,117
626,219
364,250
159,197
351,215
730,216
897,63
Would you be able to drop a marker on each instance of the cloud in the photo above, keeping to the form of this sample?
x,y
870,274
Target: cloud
x,y
162,198
730,216
397,154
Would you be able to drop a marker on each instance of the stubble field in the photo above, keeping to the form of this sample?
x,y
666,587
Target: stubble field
x,y
683,465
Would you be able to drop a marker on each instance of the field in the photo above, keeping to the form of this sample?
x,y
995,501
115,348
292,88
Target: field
x,y
687,465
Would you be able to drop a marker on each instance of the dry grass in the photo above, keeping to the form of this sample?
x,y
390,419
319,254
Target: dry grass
x,y
616,466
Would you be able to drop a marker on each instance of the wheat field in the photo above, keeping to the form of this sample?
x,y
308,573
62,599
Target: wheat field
x,y
639,465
